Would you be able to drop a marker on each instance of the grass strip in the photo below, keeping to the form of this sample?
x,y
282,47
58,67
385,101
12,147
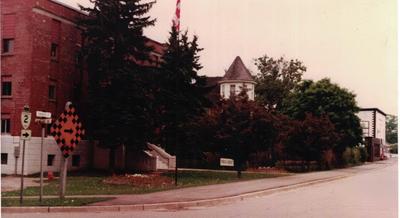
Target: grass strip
x,y
13,202
94,185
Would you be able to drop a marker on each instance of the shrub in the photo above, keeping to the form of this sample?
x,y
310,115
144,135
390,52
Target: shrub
x,y
351,156
363,154
356,156
393,149
328,159
347,156
297,165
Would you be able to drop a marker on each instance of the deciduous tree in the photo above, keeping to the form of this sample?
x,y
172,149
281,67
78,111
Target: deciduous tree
x,y
391,129
276,78
325,98
237,127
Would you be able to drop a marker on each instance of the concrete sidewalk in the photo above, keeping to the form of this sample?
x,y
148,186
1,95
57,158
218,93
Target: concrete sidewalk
x,y
13,183
213,194
241,188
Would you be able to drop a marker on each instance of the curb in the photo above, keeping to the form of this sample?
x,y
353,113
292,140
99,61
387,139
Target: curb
x,y
168,205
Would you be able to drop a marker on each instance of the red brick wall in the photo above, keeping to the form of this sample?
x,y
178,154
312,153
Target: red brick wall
x,y
30,67
35,24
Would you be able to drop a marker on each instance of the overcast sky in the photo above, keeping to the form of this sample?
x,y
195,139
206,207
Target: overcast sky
x,y
353,42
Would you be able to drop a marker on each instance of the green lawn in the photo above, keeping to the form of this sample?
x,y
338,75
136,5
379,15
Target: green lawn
x,y
11,202
93,185
197,178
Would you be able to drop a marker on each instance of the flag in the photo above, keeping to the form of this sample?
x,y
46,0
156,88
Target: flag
x,y
176,21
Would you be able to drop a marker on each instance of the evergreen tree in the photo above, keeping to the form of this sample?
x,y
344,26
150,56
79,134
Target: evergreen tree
x,y
114,43
182,92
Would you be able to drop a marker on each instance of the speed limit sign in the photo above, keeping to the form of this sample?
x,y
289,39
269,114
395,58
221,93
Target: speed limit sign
x,y
25,117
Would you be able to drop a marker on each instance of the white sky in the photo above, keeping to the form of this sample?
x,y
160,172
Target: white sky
x,y
353,42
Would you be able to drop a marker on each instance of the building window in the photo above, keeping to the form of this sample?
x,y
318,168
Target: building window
x,y
6,89
76,160
52,92
50,159
232,90
5,125
8,46
4,158
54,51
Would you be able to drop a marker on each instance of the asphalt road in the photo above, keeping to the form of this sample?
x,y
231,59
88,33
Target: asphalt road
x,y
368,194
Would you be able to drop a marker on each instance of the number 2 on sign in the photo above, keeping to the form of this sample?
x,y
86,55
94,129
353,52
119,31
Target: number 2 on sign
x,y
26,119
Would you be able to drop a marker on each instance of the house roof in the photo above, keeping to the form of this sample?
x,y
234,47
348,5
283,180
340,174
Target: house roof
x,y
373,109
212,83
237,72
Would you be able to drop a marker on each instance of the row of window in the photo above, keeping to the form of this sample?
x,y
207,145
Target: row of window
x,y
6,90
76,159
8,48
232,89
6,126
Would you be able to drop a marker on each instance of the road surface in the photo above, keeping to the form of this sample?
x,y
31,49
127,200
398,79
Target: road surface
x,y
368,194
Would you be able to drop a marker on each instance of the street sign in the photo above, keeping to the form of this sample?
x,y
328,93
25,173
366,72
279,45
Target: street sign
x,y
17,151
226,162
67,130
43,114
26,134
25,119
43,120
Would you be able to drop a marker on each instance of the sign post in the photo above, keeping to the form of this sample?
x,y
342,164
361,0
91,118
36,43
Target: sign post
x,y
43,118
25,136
16,155
67,131
226,162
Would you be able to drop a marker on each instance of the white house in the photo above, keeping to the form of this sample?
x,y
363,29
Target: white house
x,y
11,155
236,78
373,123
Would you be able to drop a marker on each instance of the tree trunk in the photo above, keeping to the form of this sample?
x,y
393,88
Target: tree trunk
x,y
125,158
111,158
238,166
239,173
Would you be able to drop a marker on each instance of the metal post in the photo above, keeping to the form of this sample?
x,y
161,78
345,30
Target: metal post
x,y
41,165
22,173
16,165
176,170
63,178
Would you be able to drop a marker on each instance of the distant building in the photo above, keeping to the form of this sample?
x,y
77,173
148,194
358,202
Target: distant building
x,y
373,124
237,78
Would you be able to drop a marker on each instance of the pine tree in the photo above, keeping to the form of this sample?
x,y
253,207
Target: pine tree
x,y
182,91
114,42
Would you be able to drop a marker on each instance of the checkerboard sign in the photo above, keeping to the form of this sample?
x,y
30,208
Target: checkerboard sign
x,y
67,130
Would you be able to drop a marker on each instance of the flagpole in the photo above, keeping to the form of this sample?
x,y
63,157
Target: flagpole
x,y
176,24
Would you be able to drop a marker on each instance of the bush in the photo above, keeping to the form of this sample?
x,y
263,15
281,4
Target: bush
x,y
393,149
346,156
328,159
297,166
363,154
356,156
351,156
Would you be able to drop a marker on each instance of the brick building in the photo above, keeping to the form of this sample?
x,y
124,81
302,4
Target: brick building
x,y
41,67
